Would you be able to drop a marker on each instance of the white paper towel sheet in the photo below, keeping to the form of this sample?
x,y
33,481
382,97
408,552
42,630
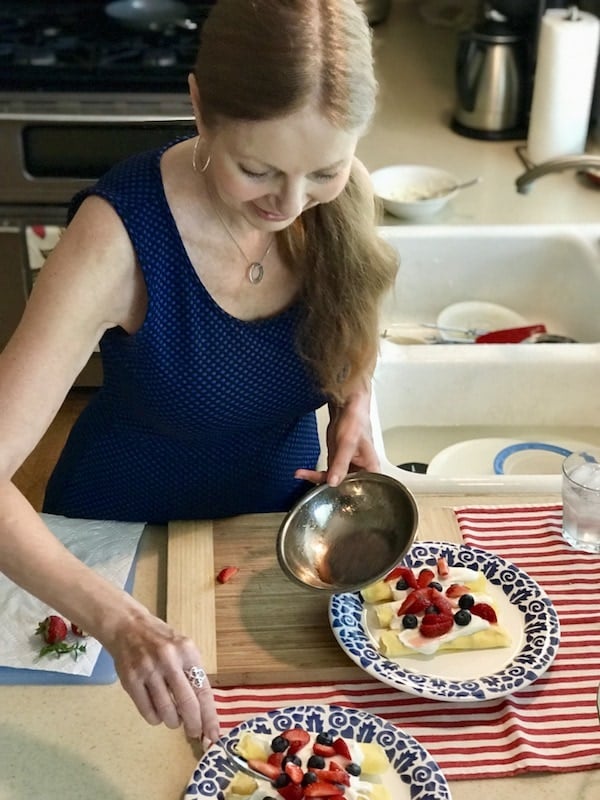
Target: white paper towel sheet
x,y
563,85
108,548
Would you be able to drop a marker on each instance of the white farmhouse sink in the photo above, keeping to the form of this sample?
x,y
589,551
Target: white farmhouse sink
x,y
430,396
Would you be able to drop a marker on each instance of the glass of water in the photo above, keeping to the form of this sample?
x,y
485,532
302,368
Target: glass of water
x,y
581,499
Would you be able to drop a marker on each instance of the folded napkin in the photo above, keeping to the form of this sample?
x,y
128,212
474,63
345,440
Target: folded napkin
x,y
109,548
551,726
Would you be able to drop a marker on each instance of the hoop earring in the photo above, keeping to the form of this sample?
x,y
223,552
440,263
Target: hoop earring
x,y
195,157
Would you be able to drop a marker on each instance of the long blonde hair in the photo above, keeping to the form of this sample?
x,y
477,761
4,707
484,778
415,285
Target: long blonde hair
x,y
263,59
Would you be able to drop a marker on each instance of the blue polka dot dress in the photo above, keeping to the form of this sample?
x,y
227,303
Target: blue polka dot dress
x,y
201,415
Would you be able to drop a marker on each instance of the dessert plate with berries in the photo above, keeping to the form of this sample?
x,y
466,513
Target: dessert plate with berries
x,y
418,628
315,751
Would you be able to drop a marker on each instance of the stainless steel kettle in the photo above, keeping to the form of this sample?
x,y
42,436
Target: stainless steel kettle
x,y
492,85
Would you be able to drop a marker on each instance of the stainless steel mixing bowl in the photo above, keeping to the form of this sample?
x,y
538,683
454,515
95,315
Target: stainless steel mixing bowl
x,y
340,539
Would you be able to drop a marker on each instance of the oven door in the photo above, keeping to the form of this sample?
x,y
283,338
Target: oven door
x,y
47,158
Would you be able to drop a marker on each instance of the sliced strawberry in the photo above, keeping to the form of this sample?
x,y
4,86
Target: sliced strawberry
x,y
342,749
294,772
292,791
333,776
434,625
335,767
415,602
297,737
437,599
425,577
227,573
485,611
322,789
457,590
276,759
268,770
77,631
403,572
442,567
325,750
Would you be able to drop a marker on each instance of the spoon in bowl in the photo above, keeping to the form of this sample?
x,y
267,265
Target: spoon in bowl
x,y
436,193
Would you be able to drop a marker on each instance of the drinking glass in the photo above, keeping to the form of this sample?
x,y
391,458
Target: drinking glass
x,y
581,499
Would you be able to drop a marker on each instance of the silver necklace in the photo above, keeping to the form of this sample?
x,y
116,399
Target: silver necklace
x,y
255,270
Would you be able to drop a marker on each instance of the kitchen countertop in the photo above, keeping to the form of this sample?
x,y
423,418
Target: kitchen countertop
x,y
415,67
89,741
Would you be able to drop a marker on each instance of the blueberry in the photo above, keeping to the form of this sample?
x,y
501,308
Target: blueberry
x,y
462,617
401,584
279,744
316,762
353,769
308,778
436,585
432,610
409,621
291,759
281,780
325,738
466,601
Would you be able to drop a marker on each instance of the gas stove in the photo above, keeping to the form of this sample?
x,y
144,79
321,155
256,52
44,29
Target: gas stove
x,y
72,47
79,91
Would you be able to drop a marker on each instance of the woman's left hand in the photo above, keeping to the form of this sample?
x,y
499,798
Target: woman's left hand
x,y
349,440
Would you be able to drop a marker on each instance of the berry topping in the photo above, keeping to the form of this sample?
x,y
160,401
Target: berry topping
x,y
456,590
297,737
353,769
294,772
404,573
462,617
270,771
485,611
316,762
309,777
341,748
442,567
325,738
279,744
466,601
425,577
434,625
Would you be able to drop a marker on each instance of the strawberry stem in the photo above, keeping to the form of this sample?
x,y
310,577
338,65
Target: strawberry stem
x,y
59,648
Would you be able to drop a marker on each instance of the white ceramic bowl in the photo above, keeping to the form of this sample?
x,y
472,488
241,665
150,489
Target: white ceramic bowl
x,y
399,187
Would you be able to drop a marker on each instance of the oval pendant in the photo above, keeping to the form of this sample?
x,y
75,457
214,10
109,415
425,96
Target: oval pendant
x,y
255,272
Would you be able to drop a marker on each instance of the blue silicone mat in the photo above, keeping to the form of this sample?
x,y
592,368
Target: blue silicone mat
x,y
104,671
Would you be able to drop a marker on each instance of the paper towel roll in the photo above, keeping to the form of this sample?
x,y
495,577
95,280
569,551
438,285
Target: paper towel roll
x,y
563,84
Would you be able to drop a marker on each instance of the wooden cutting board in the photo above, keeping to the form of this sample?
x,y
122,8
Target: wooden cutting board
x,y
260,628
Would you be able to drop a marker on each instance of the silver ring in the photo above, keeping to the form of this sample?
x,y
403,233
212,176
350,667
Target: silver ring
x,y
196,676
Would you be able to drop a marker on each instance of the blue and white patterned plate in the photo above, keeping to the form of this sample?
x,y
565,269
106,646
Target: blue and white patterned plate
x,y
523,608
413,774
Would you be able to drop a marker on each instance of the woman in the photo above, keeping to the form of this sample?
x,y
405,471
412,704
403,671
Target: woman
x,y
233,281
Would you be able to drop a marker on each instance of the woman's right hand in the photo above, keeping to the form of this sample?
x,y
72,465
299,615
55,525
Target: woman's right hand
x,y
151,660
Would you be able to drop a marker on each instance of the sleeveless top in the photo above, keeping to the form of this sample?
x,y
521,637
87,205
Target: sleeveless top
x,y
201,414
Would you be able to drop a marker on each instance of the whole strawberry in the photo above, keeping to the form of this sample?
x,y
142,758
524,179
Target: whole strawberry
x,y
53,629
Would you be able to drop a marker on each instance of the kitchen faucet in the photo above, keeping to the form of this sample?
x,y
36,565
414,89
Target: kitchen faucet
x,y
585,161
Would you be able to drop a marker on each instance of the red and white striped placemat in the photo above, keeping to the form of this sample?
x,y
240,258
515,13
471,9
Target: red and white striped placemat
x,y
551,726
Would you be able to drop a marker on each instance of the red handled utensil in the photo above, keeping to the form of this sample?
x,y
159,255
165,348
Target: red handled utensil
x,y
509,335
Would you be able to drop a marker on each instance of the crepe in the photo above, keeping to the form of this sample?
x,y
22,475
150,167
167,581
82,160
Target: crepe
x,y
492,637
